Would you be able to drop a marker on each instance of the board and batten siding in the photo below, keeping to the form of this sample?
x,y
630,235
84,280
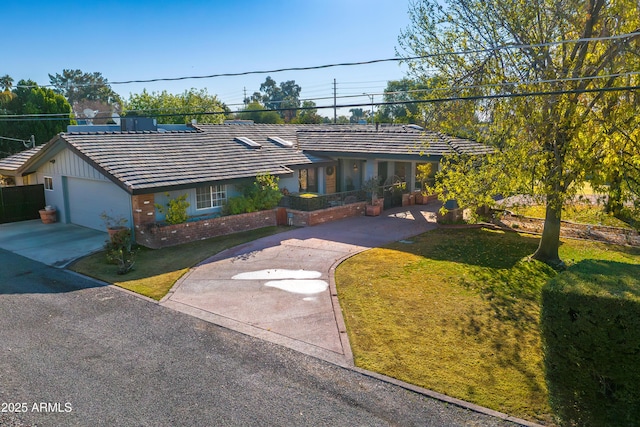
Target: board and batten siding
x,y
93,193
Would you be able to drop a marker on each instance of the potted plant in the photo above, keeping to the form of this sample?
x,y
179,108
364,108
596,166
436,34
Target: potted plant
x,y
374,207
424,175
48,214
114,223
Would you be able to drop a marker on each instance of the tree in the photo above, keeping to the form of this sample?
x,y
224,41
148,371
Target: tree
x,y
543,144
6,82
76,86
180,108
285,98
28,98
402,92
357,114
619,146
256,112
6,95
309,115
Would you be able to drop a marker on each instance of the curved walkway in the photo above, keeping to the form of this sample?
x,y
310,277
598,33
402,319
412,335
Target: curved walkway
x,y
281,288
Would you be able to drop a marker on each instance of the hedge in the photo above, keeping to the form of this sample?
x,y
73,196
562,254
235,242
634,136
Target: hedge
x,y
590,322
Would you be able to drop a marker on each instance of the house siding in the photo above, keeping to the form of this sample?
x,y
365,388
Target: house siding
x,y
78,184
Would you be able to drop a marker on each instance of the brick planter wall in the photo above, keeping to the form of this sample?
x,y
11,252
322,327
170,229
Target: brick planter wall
x,y
156,236
621,236
302,218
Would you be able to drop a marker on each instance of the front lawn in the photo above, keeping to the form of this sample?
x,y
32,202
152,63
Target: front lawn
x,y
157,270
457,311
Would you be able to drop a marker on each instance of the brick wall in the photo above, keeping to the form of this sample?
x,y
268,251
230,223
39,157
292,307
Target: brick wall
x,y
144,214
157,236
302,218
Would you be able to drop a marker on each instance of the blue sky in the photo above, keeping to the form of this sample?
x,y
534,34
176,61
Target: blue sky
x,y
136,40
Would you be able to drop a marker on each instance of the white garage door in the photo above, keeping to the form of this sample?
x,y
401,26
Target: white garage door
x,y
89,198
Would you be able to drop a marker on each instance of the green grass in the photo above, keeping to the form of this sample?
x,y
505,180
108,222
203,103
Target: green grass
x,y
457,312
157,270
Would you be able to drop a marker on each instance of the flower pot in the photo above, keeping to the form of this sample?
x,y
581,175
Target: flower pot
x,y
373,210
48,216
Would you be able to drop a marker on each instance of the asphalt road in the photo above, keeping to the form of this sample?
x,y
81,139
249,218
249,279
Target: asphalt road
x,y
74,353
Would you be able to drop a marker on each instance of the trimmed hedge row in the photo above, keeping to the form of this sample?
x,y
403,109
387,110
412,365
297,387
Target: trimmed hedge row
x,y
590,323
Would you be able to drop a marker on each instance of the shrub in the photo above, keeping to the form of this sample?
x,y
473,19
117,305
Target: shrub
x,y
239,205
590,321
263,194
176,210
266,193
120,251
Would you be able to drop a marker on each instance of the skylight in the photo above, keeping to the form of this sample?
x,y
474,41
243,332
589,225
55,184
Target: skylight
x,y
248,142
281,142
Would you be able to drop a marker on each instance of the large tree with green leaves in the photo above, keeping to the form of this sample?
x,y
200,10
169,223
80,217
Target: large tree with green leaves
x,y
400,93
258,114
77,85
285,98
193,104
308,115
30,99
539,71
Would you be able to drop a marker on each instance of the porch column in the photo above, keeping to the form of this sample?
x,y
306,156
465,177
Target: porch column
x,y
144,213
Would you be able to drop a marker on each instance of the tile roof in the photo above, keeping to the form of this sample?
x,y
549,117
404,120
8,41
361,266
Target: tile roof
x,y
15,161
146,161
149,160
395,141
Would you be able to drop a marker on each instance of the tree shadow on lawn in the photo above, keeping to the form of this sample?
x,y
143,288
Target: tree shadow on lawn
x,y
473,246
505,321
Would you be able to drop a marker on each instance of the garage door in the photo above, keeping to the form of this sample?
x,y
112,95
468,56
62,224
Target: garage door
x,y
89,198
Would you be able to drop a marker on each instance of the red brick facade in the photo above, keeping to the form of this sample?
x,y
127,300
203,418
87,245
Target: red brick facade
x,y
153,235
157,236
301,218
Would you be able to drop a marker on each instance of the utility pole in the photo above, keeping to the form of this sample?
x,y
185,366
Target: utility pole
x,y
335,111
245,97
370,96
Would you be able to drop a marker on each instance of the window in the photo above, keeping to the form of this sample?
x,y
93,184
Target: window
x,y
307,180
211,196
48,183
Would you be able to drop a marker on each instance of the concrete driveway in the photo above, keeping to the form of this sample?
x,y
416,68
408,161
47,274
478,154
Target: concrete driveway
x,y
281,289
54,244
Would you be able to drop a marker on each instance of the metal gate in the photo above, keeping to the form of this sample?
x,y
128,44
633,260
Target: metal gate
x,y
21,203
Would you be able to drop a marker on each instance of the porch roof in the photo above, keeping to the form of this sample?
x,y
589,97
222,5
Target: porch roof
x,y
394,142
10,166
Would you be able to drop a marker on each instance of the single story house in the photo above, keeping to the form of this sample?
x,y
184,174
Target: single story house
x,y
89,170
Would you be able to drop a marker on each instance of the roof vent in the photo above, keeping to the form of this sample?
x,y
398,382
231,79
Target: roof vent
x,y
248,142
281,142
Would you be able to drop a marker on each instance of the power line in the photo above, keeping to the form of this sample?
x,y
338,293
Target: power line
x,y
378,104
63,116
369,62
